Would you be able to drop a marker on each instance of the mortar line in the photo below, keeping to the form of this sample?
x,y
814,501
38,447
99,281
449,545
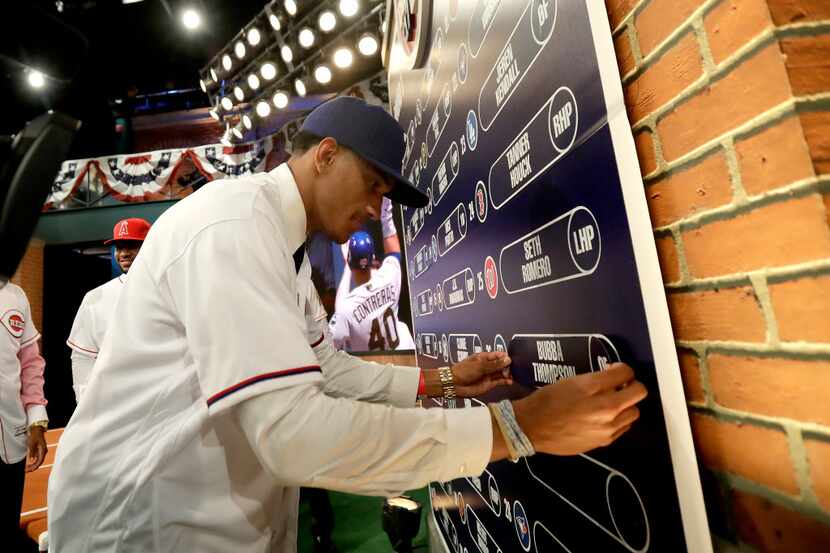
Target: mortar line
x,y
792,503
807,351
798,454
737,416
739,195
774,275
759,284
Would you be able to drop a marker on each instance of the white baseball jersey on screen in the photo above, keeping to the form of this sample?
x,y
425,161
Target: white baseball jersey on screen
x,y
93,318
18,331
216,394
367,318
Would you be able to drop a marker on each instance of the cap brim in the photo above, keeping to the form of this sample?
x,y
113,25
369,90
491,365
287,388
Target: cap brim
x,y
404,192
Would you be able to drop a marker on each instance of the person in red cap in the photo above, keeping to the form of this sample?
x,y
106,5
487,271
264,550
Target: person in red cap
x,y
96,310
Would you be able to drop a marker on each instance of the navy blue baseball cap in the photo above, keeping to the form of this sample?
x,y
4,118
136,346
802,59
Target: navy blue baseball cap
x,y
370,132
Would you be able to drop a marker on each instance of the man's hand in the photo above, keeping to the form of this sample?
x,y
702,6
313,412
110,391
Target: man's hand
x,y
579,414
480,373
36,443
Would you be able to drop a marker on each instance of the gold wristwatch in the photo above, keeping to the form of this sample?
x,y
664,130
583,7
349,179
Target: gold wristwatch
x,y
41,424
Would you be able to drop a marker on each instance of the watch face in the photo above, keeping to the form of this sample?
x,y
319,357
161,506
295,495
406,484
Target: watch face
x,y
407,23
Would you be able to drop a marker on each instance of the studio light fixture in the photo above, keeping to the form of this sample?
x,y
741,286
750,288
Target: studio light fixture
x,y
327,21
349,7
214,113
246,121
322,74
227,63
253,36
36,79
226,103
280,99
275,22
343,57
299,86
306,38
238,93
202,85
290,7
253,81
287,54
239,49
237,132
263,109
268,70
367,44
213,75
191,19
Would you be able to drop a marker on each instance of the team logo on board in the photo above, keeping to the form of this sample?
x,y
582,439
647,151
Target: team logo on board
x,y
522,526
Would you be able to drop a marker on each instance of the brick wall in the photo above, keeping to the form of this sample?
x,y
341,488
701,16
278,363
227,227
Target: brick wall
x,y
729,102
29,276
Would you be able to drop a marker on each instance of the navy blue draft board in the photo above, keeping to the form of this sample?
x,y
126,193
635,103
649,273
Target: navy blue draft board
x,y
526,246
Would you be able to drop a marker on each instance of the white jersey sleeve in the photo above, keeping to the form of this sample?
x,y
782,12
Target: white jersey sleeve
x,y
82,336
250,336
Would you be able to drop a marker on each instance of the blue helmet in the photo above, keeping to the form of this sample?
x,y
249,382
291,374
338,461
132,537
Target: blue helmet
x,y
361,250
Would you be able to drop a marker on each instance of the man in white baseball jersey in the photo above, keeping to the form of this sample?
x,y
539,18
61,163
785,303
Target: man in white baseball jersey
x,y
217,392
98,306
366,318
23,418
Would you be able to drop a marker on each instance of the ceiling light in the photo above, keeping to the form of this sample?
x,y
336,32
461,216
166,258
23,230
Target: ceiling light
x,y
202,85
287,54
268,71
36,79
237,132
306,37
290,7
226,62
299,86
367,44
343,57
213,75
253,81
214,113
253,36
263,109
275,22
327,21
239,49
246,120
227,103
191,19
226,141
238,93
280,99
349,7
323,74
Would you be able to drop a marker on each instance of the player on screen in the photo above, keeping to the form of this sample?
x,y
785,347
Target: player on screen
x,y
366,318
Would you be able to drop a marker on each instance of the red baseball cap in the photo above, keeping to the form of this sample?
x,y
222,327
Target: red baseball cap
x,y
130,229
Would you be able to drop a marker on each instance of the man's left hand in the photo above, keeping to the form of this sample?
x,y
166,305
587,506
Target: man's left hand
x,y
37,448
481,372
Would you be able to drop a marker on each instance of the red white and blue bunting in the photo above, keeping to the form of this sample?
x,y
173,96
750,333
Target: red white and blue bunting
x,y
146,176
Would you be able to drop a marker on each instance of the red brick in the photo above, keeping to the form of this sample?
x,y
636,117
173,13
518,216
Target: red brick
x,y
818,458
776,387
734,23
29,276
826,198
786,233
801,309
816,125
772,528
774,157
704,185
756,453
618,10
690,373
808,63
754,87
728,314
798,11
669,265
660,18
665,79
645,152
625,57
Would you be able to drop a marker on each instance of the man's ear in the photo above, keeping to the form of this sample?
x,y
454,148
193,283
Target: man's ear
x,y
324,154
